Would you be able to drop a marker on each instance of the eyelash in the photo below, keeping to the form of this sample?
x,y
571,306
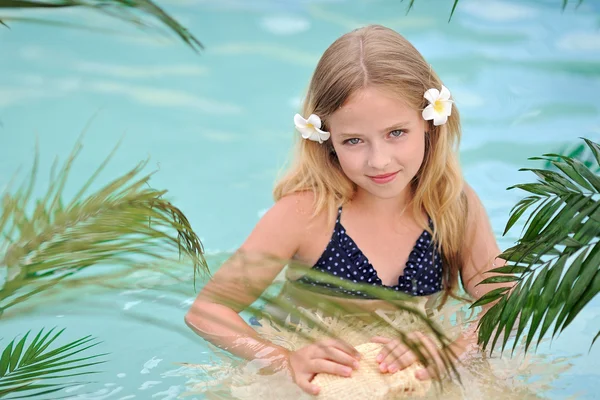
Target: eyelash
x,y
347,141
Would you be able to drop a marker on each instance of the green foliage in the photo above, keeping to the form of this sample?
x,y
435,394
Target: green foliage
x,y
127,10
124,224
132,11
411,3
30,369
576,151
556,262
123,227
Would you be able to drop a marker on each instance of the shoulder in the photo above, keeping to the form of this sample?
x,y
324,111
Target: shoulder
x,y
475,208
477,221
479,247
297,210
299,205
470,193
283,227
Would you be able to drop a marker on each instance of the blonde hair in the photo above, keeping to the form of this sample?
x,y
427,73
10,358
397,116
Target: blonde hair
x,y
380,57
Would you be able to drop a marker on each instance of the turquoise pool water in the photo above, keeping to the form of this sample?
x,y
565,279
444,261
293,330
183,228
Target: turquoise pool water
x,y
217,126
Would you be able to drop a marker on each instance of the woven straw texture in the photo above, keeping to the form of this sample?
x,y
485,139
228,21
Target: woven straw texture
x,y
369,383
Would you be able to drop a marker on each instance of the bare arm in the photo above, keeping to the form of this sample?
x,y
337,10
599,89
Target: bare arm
x,y
481,249
243,278
480,255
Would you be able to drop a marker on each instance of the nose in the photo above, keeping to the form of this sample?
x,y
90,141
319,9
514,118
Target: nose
x,y
378,158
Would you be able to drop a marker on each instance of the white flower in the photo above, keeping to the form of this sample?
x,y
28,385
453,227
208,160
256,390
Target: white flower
x,y
440,106
310,128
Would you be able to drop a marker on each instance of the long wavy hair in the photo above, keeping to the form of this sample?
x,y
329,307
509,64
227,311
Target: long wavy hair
x,y
380,57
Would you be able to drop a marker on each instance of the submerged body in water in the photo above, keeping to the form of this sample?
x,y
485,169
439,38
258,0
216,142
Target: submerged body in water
x,y
318,315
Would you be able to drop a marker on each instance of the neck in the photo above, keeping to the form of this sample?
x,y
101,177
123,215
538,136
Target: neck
x,y
383,208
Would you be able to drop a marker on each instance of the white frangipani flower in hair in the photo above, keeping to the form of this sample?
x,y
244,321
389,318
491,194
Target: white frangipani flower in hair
x,y
311,128
440,106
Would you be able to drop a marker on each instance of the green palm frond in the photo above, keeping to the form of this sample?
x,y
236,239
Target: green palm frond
x,y
575,151
411,3
556,262
125,223
29,369
453,9
566,2
130,11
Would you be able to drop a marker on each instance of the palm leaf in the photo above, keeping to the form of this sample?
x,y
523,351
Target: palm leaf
x,y
586,287
128,10
455,4
453,9
556,262
595,338
29,366
595,148
124,223
518,210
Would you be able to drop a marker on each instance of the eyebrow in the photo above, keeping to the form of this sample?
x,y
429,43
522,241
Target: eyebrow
x,y
399,125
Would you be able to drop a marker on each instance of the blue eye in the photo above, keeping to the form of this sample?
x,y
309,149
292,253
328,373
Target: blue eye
x,y
397,133
352,141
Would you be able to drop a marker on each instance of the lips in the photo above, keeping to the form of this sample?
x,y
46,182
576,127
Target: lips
x,y
384,178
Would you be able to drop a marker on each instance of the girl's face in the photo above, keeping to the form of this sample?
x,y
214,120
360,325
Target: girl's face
x,y
379,142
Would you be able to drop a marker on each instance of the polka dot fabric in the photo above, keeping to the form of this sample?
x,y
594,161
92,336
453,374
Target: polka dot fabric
x,y
422,274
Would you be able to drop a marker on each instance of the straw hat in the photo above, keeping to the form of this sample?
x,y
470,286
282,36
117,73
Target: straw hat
x,y
369,383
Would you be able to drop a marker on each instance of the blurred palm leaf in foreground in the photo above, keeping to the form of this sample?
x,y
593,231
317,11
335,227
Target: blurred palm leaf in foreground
x,y
27,367
557,258
411,3
133,11
124,224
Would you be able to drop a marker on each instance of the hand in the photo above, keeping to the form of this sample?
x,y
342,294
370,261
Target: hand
x,y
327,356
395,356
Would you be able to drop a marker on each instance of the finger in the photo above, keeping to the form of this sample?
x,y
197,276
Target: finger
x,y
436,365
423,374
304,384
424,339
380,339
345,347
404,361
395,353
322,365
336,355
427,373
398,359
386,350
416,335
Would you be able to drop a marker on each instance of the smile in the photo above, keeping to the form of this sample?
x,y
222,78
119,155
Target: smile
x,y
384,178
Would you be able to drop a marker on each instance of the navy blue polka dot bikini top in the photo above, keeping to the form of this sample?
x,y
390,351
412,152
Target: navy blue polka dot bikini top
x,y
422,274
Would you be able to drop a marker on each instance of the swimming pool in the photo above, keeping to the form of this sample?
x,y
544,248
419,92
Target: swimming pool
x,y
217,126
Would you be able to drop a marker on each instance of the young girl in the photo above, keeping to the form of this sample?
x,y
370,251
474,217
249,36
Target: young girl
x,y
375,196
